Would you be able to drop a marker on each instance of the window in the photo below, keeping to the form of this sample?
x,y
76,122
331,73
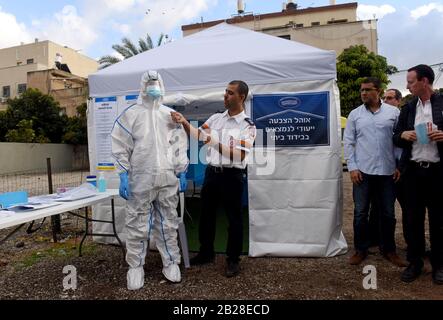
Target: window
x,y
338,21
285,36
30,61
21,88
6,91
315,24
299,25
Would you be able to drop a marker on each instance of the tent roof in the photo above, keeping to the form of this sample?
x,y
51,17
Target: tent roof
x,y
215,56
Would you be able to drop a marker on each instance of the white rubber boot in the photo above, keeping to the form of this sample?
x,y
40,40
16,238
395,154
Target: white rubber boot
x,y
172,273
136,278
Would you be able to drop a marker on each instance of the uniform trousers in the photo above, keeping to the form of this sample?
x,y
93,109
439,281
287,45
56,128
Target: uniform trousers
x,y
222,186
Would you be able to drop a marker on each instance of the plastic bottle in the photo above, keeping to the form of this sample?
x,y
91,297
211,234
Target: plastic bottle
x,y
101,182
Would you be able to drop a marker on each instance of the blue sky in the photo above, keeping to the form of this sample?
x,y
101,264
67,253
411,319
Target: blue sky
x,y
407,29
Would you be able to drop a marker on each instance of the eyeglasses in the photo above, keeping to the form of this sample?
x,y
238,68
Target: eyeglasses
x,y
367,89
388,98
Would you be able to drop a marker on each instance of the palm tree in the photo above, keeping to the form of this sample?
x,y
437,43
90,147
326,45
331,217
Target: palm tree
x,y
128,49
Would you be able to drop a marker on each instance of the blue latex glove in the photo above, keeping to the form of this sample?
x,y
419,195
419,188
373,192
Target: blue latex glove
x,y
183,182
124,190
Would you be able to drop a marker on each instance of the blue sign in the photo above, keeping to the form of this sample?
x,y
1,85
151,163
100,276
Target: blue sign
x,y
131,97
292,120
108,99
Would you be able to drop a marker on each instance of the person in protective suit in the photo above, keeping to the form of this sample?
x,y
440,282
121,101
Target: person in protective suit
x,y
151,152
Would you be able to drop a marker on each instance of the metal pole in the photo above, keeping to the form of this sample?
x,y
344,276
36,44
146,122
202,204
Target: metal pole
x,y
55,220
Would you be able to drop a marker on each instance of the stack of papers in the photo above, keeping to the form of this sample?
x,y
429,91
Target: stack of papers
x,y
5,213
85,190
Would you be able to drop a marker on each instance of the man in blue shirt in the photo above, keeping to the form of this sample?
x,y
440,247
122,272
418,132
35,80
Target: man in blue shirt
x,y
393,97
369,152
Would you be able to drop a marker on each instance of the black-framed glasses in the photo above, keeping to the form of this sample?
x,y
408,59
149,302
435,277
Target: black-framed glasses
x,y
367,89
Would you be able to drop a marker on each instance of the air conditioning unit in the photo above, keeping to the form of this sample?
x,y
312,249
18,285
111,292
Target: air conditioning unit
x,y
3,100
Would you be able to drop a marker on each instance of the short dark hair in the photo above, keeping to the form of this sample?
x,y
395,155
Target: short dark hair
x,y
424,71
243,88
397,92
375,81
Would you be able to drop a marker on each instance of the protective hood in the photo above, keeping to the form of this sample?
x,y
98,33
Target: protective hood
x,y
151,79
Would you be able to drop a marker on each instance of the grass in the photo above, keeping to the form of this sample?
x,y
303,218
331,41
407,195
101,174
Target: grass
x,y
68,249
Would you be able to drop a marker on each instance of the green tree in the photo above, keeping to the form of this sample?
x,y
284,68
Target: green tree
x,y
353,65
128,49
24,132
5,125
47,122
76,129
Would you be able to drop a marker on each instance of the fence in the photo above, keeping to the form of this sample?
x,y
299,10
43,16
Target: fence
x,y
36,182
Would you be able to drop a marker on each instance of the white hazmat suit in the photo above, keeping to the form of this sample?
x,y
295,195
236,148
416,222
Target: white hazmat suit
x,y
152,150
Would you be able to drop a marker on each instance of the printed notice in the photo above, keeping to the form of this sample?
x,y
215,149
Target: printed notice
x,y
131,99
105,115
292,120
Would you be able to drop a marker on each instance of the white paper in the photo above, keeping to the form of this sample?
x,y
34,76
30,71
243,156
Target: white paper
x,y
85,190
105,115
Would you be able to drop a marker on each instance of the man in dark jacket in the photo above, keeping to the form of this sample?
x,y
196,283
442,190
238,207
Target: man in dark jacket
x,y
422,172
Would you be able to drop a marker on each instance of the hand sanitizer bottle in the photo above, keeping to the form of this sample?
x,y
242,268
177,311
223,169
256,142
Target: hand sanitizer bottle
x,y
101,182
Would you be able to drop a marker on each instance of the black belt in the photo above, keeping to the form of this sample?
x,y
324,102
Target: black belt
x,y
225,169
425,164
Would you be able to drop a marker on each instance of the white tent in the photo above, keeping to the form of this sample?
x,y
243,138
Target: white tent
x,y
209,58
296,209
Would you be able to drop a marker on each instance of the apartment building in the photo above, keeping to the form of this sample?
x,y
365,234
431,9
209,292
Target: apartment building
x,y
333,27
41,65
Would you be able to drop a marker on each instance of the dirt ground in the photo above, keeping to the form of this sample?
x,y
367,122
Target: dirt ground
x,y
31,267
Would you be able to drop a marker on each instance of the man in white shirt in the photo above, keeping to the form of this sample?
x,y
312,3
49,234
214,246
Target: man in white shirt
x,y
230,137
423,172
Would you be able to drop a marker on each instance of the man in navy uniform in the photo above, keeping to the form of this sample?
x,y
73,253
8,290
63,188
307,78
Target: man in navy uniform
x,y
230,137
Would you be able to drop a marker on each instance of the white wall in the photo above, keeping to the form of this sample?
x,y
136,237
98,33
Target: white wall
x,y
17,157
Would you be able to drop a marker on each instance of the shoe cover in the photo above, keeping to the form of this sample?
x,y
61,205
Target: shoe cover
x,y
172,273
136,278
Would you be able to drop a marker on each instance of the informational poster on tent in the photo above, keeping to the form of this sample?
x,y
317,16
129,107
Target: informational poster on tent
x,y
123,102
104,115
292,120
131,99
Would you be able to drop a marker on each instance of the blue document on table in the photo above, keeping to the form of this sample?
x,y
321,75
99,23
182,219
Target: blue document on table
x,y
30,206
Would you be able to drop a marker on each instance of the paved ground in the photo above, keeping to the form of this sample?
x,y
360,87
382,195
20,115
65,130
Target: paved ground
x,y
31,267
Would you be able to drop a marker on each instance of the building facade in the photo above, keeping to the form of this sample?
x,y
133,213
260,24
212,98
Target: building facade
x,y
25,66
69,90
333,27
